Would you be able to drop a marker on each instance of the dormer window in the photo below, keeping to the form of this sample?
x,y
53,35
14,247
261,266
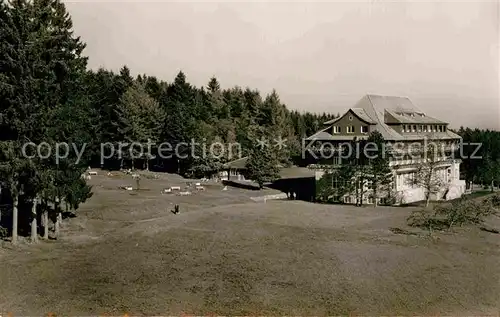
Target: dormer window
x,y
440,128
413,128
350,129
364,129
336,129
422,115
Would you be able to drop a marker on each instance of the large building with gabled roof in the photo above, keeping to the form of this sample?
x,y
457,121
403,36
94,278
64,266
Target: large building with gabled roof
x,y
399,121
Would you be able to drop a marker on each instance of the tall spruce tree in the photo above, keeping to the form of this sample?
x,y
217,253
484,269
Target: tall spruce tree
x,y
140,119
379,174
42,71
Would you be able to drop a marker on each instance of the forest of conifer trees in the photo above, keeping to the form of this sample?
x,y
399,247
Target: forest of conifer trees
x,y
47,94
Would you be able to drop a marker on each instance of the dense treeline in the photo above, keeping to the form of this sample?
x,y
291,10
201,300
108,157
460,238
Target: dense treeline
x,y
481,156
179,112
48,96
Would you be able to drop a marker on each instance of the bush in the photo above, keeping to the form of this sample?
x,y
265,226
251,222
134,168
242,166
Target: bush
x,y
324,191
4,232
458,213
494,201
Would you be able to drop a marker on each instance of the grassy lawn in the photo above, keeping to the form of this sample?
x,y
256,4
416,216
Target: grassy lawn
x,y
226,255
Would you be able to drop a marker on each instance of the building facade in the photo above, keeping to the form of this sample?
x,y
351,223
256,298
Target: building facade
x,y
406,130
234,170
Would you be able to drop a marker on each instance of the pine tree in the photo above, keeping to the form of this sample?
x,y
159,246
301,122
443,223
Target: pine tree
x,y
43,73
274,116
262,165
379,174
140,118
489,171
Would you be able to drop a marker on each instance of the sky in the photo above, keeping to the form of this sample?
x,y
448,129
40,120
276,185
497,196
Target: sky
x,y
319,56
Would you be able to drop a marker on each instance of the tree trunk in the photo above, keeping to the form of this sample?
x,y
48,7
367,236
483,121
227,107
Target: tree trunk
x,y
45,219
362,193
57,224
121,163
34,233
427,199
15,202
375,202
357,192
492,184
147,164
56,227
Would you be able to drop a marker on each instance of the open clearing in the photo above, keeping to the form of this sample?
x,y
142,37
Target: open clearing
x,y
226,255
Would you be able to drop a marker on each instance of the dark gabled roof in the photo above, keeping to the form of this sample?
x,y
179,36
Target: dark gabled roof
x,y
237,164
321,135
384,110
296,172
358,112
375,110
409,118
397,104
361,113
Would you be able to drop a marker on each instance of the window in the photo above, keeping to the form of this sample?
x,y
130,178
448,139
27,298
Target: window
x,y
413,128
364,129
419,128
444,128
406,128
336,129
424,128
350,118
440,128
347,199
434,128
350,129
370,200
429,128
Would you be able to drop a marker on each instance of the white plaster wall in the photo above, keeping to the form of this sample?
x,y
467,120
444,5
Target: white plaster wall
x,y
318,174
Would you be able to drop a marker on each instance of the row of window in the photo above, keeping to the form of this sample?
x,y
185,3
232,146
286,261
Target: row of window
x,y
424,128
350,129
352,200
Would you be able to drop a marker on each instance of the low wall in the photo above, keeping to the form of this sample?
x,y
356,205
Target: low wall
x,y
241,184
269,197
